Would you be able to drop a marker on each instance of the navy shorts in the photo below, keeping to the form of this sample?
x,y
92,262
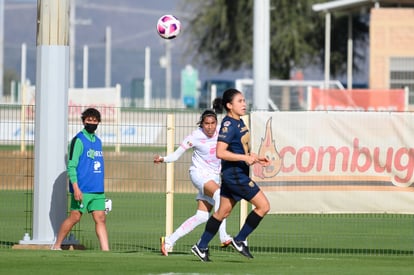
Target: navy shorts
x,y
238,191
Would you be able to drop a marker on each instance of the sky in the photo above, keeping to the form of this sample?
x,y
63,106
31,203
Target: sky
x,y
132,24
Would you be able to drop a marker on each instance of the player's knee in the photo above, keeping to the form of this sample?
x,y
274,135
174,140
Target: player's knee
x,y
202,216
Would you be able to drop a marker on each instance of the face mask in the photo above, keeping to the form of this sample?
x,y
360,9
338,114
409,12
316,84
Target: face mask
x,y
91,128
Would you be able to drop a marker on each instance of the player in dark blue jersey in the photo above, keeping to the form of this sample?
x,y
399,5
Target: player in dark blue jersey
x,y
234,151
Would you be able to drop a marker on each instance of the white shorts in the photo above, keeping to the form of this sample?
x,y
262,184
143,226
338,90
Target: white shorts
x,y
199,178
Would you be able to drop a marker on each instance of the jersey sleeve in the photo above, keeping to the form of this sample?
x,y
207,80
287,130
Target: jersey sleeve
x,y
227,132
186,144
75,151
175,155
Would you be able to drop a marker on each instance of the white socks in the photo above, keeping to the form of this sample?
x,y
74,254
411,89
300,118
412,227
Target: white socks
x,y
187,226
222,229
194,221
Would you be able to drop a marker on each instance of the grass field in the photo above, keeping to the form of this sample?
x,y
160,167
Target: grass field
x,y
228,262
282,244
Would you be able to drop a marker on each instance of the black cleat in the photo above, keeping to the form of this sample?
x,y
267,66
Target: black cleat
x,y
202,254
241,248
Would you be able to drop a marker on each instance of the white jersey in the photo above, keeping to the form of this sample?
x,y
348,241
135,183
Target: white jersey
x,y
204,151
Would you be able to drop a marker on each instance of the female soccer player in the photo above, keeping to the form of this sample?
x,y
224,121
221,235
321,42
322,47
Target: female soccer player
x,y
204,174
233,150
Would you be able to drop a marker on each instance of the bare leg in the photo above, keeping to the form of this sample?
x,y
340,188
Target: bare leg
x,y
66,226
100,228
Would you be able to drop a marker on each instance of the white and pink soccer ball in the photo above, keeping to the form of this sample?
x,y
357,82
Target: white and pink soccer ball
x,y
168,26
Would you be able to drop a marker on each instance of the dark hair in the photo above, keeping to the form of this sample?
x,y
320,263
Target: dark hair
x,y
206,113
217,105
228,96
91,112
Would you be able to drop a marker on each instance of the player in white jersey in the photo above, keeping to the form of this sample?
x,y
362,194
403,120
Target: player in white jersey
x,y
205,176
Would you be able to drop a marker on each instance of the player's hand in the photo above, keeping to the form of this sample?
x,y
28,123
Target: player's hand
x,y
158,159
264,161
77,193
251,159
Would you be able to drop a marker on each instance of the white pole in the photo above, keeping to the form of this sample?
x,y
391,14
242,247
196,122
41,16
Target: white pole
x,y
261,53
72,37
50,187
1,49
147,79
85,66
350,53
23,98
213,94
168,73
108,46
327,48
23,72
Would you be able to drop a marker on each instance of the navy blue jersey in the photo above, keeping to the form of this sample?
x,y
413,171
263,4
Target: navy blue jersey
x,y
236,134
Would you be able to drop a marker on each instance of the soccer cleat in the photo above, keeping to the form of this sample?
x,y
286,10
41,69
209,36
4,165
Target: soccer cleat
x,y
241,248
164,250
225,243
202,254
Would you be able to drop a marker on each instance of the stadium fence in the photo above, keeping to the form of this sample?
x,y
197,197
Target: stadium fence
x,y
137,188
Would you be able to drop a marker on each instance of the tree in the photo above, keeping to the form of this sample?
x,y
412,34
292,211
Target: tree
x,y
222,33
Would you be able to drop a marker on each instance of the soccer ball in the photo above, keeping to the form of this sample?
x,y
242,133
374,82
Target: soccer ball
x,y
168,26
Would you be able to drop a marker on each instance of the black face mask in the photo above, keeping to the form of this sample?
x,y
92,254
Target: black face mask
x,y
91,128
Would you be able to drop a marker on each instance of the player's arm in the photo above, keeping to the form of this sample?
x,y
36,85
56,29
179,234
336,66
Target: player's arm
x,y
171,157
224,154
75,151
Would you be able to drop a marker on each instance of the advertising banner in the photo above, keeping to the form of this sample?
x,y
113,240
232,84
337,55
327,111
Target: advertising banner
x,y
106,100
357,100
335,162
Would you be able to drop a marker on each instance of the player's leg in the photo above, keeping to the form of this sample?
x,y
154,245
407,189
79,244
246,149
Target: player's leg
x,y
212,226
76,210
100,228
73,218
212,189
262,206
214,222
201,216
97,207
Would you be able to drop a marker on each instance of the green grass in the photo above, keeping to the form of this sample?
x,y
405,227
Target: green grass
x,y
228,262
138,220
282,244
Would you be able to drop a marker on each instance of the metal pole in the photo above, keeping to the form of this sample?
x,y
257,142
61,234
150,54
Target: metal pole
x,y
147,79
168,73
23,99
261,54
327,48
50,187
72,34
350,53
108,60
1,49
85,66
